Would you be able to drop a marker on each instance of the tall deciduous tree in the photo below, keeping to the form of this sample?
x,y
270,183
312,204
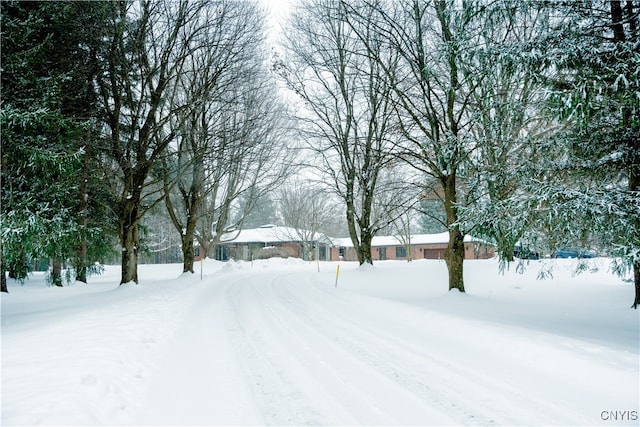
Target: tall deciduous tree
x,y
432,95
233,61
348,109
464,94
250,158
148,47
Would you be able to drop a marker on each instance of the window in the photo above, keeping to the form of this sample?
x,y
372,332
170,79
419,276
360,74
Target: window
x,y
322,252
401,252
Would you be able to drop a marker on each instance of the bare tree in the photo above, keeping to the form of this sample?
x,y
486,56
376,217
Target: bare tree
x,y
149,44
250,158
348,111
210,139
433,90
308,211
403,229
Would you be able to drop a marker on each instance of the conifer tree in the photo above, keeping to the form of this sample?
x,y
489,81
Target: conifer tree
x,y
48,103
594,178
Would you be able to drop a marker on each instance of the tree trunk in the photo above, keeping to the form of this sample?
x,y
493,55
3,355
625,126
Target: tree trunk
x,y
634,188
454,255
56,272
129,221
81,254
188,251
3,274
362,244
3,282
364,255
81,262
617,20
129,237
130,246
636,280
366,236
351,224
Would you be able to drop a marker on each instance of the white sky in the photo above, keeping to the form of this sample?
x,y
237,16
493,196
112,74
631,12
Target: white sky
x,y
277,14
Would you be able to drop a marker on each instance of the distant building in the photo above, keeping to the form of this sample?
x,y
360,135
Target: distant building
x,y
418,246
273,241
277,241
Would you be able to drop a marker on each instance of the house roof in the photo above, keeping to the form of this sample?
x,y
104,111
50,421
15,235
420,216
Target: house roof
x,y
416,239
270,234
275,233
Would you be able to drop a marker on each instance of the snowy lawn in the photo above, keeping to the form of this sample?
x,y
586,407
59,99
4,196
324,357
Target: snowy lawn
x,y
274,342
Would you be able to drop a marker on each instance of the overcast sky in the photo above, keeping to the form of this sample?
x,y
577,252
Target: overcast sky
x,y
277,13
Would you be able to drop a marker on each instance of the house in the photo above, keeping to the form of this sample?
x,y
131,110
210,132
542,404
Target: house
x,y
270,241
418,246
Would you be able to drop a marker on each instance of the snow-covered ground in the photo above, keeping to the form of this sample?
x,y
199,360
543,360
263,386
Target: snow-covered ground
x,y
275,342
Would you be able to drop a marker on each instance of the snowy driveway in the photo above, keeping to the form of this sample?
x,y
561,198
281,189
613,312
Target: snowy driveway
x,y
277,344
280,347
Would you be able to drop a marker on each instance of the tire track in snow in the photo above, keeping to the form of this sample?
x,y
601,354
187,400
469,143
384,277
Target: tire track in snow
x,y
388,357
442,380
199,381
262,359
321,381
297,353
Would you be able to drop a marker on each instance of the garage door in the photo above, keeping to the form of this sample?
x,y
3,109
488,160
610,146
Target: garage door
x,y
433,253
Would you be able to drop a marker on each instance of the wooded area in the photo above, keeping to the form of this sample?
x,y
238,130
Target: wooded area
x,y
518,122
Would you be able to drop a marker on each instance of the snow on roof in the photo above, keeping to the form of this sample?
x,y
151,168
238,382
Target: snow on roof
x,y
416,239
268,234
274,233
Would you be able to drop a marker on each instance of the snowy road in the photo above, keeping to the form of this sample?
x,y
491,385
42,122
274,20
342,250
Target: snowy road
x,y
273,346
275,343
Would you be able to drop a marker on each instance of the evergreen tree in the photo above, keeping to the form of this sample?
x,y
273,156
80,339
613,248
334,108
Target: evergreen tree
x,y
47,132
508,101
574,180
595,183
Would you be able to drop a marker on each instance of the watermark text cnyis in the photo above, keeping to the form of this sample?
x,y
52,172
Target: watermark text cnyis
x,y
618,415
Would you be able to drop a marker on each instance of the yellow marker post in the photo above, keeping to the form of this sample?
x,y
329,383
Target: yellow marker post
x,y
337,275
